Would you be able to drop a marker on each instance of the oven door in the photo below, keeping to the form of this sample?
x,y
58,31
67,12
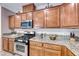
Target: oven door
x,y
20,49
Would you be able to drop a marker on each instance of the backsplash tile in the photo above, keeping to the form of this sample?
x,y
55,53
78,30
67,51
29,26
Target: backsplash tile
x,y
52,31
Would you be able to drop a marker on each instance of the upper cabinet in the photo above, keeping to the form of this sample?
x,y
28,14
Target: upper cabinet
x,y
52,17
69,15
11,22
26,16
18,21
38,19
23,16
29,16
63,16
29,7
47,18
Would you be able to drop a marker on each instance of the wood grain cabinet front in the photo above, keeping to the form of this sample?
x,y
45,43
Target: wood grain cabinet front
x,y
38,19
17,20
26,16
52,17
50,52
8,44
52,49
36,51
11,45
46,49
69,15
11,22
42,49
5,44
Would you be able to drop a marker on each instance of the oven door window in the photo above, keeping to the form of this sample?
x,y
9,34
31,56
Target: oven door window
x,y
20,48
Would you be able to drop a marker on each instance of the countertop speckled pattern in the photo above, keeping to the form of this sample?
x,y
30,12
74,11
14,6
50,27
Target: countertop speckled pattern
x,y
13,35
73,46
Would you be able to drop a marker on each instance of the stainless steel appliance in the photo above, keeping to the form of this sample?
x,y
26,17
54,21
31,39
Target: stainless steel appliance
x,y
25,24
21,45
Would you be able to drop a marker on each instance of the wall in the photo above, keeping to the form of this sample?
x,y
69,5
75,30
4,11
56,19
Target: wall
x,y
5,20
0,28
4,28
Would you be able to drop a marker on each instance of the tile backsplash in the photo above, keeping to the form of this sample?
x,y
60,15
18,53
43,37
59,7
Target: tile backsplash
x,y
51,31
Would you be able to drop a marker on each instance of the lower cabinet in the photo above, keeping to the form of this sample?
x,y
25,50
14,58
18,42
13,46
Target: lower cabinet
x,y
11,45
45,49
8,44
49,52
69,53
36,51
5,44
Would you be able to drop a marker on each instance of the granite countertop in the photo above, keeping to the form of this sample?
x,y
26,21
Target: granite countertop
x,y
73,46
13,35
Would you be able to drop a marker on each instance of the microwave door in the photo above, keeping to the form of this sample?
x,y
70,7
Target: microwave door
x,y
25,25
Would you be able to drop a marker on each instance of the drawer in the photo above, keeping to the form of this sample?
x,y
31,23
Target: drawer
x,y
49,52
34,43
52,46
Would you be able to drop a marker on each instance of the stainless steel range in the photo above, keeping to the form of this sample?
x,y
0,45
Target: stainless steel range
x,y
21,45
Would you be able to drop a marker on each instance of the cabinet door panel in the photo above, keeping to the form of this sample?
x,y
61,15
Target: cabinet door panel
x,y
11,45
11,22
24,16
69,53
36,51
17,21
52,18
38,18
5,44
49,52
29,16
68,15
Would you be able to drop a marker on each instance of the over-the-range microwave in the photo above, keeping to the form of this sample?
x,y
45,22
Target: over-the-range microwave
x,y
26,24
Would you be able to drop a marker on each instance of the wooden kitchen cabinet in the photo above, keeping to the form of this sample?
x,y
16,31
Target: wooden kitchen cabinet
x,y
52,17
26,16
46,49
52,49
69,15
29,16
69,53
50,52
36,51
42,49
11,45
11,22
18,21
66,52
28,8
8,44
5,44
38,19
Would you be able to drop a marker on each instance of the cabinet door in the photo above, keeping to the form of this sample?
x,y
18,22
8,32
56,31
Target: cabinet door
x,y
38,18
68,15
36,51
11,22
69,53
52,17
29,16
24,16
17,21
49,52
11,45
5,44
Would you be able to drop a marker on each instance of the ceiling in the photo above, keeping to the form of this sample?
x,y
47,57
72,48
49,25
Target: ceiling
x,y
15,7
